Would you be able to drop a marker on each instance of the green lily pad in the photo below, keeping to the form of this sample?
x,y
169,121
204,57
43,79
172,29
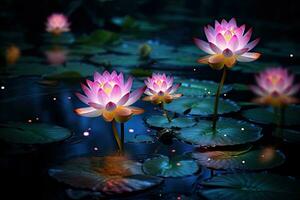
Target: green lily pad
x,y
87,50
253,67
180,60
177,166
246,159
289,135
25,133
64,38
73,70
139,138
98,38
30,69
228,132
116,60
162,122
266,115
251,187
201,106
199,88
108,175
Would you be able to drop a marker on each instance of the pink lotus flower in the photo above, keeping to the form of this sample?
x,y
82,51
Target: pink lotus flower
x,y
108,95
227,44
160,89
57,24
275,87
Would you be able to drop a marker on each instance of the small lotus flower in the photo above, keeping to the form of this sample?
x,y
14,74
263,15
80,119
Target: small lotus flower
x,y
12,54
160,89
108,95
227,44
275,87
57,24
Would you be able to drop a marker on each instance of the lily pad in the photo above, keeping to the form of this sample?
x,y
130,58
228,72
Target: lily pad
x,y
162,122
116,60
200,88
288,135
98,38
201,106
228,132
108,175
73,70
177,166
266,115
86,50
180,60
247,159
251,187
25,133
64,38
30,69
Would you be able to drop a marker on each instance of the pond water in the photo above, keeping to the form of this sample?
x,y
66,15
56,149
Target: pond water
x,y
40,88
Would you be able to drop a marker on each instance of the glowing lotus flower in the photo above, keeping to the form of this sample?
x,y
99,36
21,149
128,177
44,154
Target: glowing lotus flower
x,y
57,24
227,44
160,89
13,54
108,95
275,87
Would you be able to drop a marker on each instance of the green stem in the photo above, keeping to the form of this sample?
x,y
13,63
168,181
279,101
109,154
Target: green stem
x,y
215,115
122,138
165,112
116,135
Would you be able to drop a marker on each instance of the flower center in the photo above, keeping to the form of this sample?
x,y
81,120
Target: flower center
x,y
274,79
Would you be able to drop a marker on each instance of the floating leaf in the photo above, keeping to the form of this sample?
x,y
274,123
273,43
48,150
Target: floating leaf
x,y
73,70
251,187
248,159
87,50
266,115
162,122
164,166
116,60
193,87
228,132
25,133
64,38
289,135
98,38
109,175
201,106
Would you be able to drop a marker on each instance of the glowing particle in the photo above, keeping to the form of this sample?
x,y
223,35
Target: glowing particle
x,y
173,150
225,95
69,98
242,129
2,87
194,69
225,135
29,121
178,164
243,161
89,129
291,55
96,149
37,119
205,89
54,98
208,92
131,130
86,133
148,130
263,155
208,159
179,198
